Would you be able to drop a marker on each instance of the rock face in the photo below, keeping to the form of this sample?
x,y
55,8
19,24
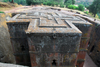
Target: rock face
x,y
10,65
94,44
19,42
6,51
51,37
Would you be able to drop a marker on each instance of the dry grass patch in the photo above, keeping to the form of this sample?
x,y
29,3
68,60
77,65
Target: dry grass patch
x,y
8,6
2,4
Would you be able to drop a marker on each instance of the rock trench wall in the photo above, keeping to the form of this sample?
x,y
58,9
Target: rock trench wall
x,y
6,51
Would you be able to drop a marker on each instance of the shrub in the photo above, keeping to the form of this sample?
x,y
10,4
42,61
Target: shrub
x,y
81,7
5,0
44,3
49,3
62,5
72,7
56,3
67,4
29,2
1,12
98,15
86,12
53,3
76,8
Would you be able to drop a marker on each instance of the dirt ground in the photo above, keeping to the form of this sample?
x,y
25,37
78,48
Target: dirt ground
x,y
89,62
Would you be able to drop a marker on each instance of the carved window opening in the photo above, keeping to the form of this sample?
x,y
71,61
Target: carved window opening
x,y
92,49
98,61
22,48
89,44
54,63
97,51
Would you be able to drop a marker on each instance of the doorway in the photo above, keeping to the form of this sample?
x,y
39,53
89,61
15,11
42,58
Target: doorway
x,y
54,63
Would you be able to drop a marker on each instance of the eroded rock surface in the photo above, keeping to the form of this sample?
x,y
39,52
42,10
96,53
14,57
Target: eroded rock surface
x,y
6,51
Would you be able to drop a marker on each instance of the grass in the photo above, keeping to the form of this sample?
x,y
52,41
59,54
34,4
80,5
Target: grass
x,y
96,17
4,9
1,12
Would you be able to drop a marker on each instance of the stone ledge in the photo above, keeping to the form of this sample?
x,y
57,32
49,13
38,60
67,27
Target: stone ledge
x,y
10,65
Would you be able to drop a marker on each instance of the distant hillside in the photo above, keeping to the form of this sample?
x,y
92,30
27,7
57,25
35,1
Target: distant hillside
x,y
84,2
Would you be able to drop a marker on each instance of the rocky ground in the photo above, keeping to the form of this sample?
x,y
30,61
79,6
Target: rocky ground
x,y
10,65
89,62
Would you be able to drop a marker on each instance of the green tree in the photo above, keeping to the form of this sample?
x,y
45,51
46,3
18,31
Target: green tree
x,y
45,2
95,7
12,1
6,0
29,2
81,7
69,2
73,1
72,7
